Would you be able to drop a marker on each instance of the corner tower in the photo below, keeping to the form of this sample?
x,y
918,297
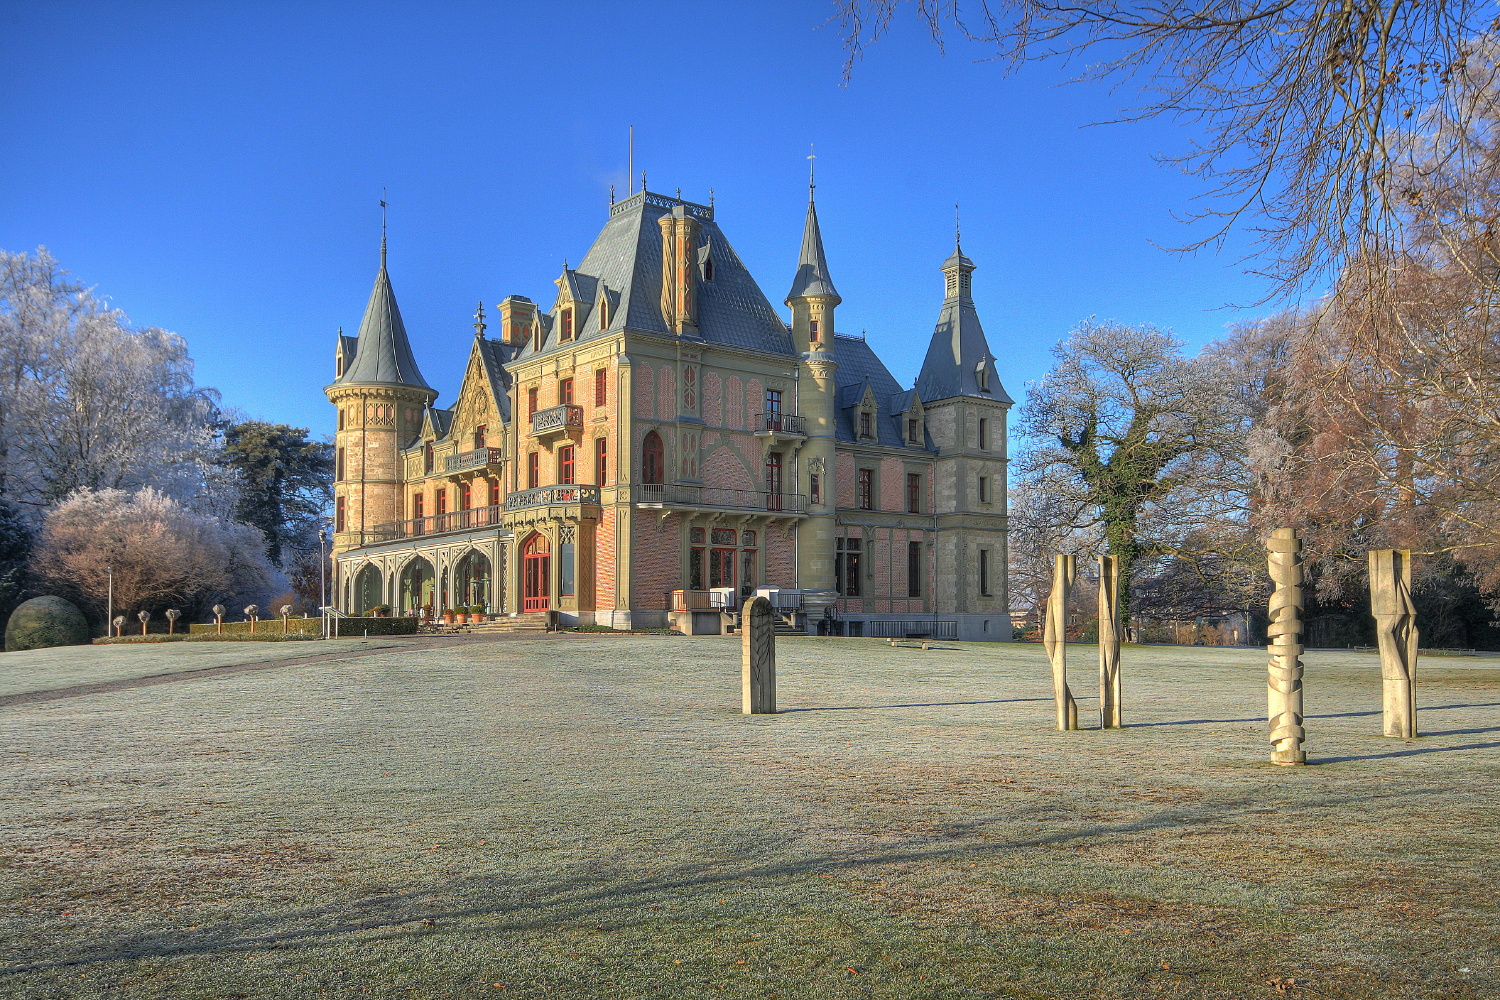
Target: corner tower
x,y
966,409
380,395
813,300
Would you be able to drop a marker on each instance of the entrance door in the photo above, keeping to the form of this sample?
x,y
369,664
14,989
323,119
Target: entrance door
x,y
535,569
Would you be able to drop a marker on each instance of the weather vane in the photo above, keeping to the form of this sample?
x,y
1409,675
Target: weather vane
x,y
479,326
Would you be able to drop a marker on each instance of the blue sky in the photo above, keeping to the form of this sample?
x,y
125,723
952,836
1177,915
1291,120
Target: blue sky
x,y
215,170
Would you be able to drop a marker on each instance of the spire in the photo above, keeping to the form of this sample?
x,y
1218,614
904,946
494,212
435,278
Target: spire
x,y
382,229
383,355
812,267
959,362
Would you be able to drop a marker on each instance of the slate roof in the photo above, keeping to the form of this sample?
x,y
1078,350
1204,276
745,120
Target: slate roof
x,y
812,267
858,367
493,354
957,350
382,354
626,257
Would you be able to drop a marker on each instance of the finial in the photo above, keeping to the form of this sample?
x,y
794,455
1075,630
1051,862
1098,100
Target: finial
x,y
679,194
341,331
565,265
957,233
710,197
479,326
382,229
643,180
812,165
611,194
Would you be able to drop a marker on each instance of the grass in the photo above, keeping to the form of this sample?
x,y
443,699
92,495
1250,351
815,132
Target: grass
x,y
568,817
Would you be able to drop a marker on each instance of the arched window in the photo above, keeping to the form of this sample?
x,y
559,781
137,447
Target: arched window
x,y
653,460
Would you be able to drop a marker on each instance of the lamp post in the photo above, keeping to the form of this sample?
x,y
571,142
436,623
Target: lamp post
x,y
322,570
109,613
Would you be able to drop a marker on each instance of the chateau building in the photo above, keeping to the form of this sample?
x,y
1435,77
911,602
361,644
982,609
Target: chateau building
x,y
660,441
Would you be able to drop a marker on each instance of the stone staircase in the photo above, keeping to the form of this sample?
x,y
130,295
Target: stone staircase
x,y
784,627
536,621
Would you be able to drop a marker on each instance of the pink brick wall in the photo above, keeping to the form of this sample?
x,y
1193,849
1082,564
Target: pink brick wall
x,y
666,393
656,561
604,562
844,479
723,468
780,556
643,379
734,395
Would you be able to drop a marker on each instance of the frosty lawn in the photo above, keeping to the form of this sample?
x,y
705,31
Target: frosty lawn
x,y
589,816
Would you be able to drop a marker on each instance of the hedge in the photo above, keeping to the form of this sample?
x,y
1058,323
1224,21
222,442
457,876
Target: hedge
x,y
307,626
375,626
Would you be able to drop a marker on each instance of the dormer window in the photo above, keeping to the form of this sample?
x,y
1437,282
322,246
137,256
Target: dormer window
x,y
427,457
864,423
479,436
982,375
708,269
913,434
536,344
603,313
567,325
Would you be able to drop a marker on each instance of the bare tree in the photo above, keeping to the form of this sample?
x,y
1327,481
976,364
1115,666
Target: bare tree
x,y
1303,108
1134,440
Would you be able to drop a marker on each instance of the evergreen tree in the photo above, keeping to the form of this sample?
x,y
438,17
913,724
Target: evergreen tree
x,y
286,483
15,555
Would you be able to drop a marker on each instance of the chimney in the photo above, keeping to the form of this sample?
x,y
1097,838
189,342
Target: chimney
x,y
517,319
679,271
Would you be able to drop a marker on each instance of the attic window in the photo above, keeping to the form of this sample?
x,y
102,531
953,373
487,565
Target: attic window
x,y
982,375
708,269
567,325
603,313
536,344
864,423
911,430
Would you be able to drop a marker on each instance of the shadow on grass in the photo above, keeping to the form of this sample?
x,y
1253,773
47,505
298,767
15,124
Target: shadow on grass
x,y
925,704
1328,715
545,905
1405,753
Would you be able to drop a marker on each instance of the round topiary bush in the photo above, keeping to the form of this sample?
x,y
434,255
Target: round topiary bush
x,y
46,621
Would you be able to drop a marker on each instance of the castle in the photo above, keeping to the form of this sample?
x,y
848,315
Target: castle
x,y
660,443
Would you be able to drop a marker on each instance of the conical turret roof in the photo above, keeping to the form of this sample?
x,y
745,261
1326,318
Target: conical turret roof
x,y
383,354
959,362
812,267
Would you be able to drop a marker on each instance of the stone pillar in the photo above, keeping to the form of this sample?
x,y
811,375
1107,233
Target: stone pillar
x,y
1109,642
1064,569
1284,643
758,660
1396,632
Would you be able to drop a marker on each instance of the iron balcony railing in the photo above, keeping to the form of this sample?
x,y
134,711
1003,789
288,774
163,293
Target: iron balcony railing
x,y
472,459
557,418
718,497
437,524
780,423
547,495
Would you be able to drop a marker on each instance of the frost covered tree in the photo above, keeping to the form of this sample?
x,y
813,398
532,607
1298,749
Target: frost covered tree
x,y
88,401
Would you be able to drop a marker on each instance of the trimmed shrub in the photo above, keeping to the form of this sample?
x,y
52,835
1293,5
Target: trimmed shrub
x,y
375,626
46,621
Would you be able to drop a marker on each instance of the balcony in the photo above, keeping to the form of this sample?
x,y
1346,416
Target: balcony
x,y
778,424
547,496
556,420
475,459
670,495
437,524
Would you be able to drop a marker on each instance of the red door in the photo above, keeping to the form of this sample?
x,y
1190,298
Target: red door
x,y
535,563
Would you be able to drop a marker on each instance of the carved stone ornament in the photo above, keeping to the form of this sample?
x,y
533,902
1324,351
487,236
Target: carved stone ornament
x,y
1396,632
1054,635
1284,643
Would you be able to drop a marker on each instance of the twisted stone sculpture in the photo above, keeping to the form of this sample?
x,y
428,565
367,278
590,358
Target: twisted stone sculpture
x,y
1109,642
1284,643
1396,632
758,657
1064,569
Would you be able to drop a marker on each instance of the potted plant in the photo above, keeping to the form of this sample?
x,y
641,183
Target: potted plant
x,y
476,613
449,614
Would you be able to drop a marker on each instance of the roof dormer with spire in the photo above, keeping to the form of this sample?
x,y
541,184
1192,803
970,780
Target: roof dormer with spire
x,y
959,362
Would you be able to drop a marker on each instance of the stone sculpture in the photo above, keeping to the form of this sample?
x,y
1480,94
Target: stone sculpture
x,y
1396,632
758,657
1284,643
172,615
119,624
1064,569
144,616
1109,642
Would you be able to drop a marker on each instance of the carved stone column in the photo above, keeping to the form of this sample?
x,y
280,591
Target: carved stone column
x,y
1109,642
1396,632
758,659
1064,569
1284,643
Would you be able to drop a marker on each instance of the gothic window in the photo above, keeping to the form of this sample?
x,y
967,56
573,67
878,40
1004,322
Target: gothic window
x,y
653,460
708,269
537,338
603,313
866,489
565,471
982,375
